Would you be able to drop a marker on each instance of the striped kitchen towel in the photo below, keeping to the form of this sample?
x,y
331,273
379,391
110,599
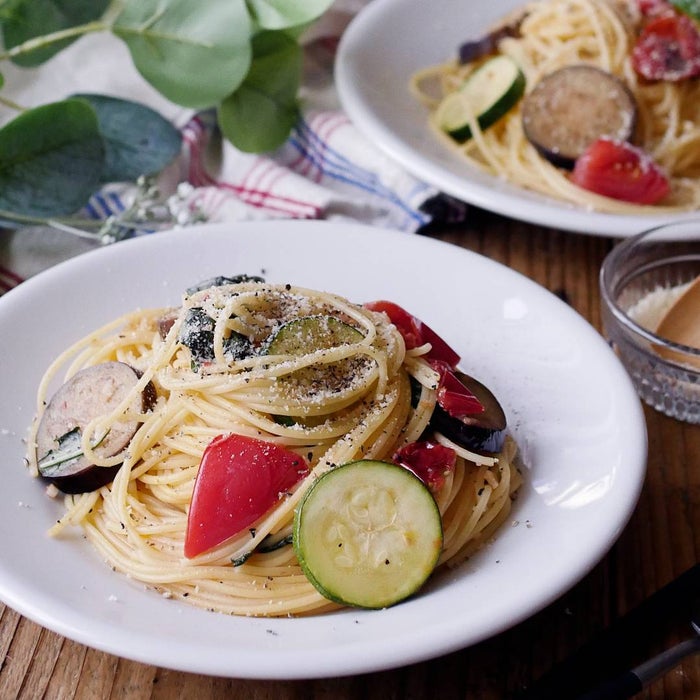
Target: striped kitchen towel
x,y
325,170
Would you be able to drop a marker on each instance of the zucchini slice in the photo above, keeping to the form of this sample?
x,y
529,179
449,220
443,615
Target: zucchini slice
x,y
303,388
486,95
309,333
368,534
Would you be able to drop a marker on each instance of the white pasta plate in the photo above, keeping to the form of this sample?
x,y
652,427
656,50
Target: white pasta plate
x,y
570,405
382,47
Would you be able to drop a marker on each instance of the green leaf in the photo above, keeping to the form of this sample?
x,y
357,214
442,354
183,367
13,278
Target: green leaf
x,y
51,158
281,14
260,114
193,53
28,19
689,7
138,140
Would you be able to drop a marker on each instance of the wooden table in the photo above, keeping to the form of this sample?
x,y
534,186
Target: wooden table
x,y
660,542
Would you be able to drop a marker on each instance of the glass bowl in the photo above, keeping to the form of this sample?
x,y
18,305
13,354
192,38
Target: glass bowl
x,y
639,280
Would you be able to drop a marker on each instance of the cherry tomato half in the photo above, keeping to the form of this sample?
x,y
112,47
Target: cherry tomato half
x,y
239,479
655,8
668,48
415,333
619,170
431,462
453,396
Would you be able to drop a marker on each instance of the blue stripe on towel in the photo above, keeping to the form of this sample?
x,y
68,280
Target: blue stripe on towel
x,y
103,205
336,166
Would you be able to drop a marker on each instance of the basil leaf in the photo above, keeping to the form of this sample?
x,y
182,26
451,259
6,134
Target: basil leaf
x,y
51,158
193,53
281,14
138,140
70,449
689,7
27,19
260,114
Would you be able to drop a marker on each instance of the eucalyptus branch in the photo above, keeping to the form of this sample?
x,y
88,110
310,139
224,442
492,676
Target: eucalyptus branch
x,y
41,42
76,230
254,65
11,104
28,220
116,7
73,225
148,211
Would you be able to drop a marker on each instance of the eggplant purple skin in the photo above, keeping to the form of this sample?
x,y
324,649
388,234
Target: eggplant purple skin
x,y
488,43
89,479
472,437
92,477
483,433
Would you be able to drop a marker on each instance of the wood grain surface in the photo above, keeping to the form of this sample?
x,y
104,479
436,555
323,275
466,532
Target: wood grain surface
x,y
660,542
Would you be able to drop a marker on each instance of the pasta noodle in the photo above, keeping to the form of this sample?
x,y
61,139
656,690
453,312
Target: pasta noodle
x,y
558,33
137,523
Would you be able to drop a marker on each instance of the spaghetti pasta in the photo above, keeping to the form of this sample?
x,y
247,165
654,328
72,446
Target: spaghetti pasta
x,y
553,34
330,405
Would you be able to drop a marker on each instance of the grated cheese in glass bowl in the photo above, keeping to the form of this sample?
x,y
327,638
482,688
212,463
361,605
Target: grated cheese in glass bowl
x,y
641,280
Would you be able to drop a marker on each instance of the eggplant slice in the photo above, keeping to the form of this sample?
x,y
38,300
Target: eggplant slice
x,y
572,107
487,44
92,392
484,432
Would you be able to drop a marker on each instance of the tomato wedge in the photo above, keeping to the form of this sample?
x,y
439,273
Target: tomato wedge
x,y
415,333
431,462
452,395
239,479
619,170
668,48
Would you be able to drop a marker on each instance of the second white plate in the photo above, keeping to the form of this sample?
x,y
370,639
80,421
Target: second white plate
x,y
390,40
